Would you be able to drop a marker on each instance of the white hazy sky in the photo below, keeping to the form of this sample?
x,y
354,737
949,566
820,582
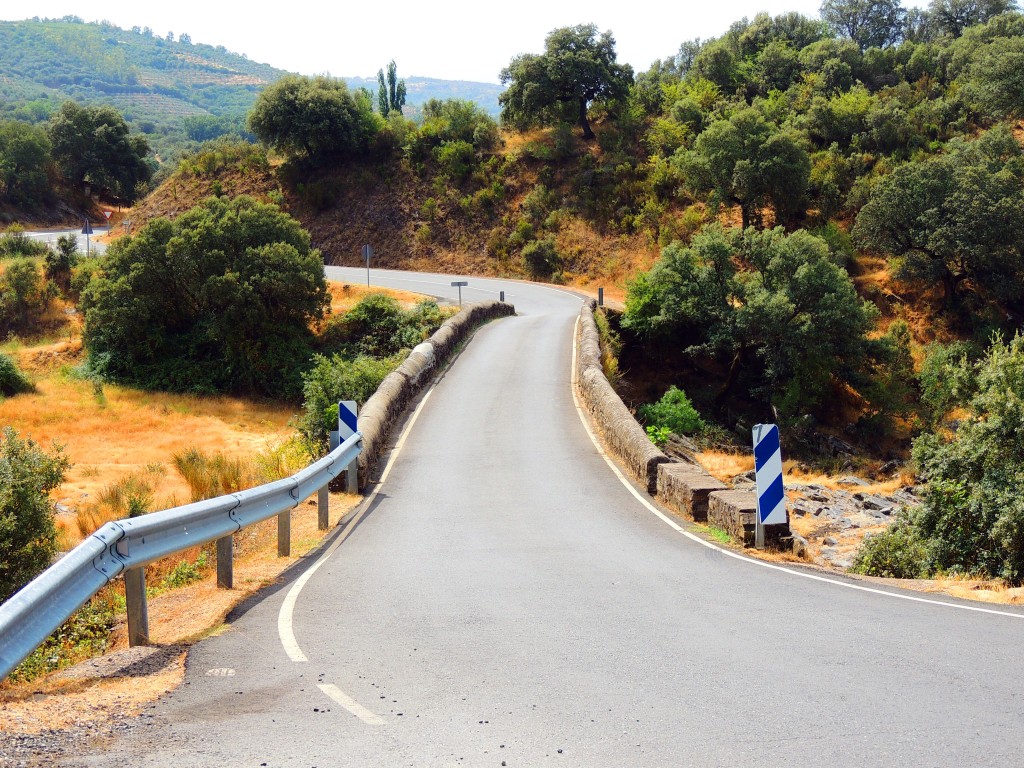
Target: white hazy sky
x,y
449,39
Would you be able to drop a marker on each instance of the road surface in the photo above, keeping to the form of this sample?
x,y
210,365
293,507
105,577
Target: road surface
x,y
508,600
50,236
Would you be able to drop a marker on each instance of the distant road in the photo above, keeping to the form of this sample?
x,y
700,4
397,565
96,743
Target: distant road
x,y
50,236
508,601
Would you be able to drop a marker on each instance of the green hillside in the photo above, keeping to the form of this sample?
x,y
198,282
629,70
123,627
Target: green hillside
x,y
174,91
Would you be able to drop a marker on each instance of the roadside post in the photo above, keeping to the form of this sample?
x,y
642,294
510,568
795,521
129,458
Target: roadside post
x,y
600,297
347,426
367,254
460,284
771,495
87,230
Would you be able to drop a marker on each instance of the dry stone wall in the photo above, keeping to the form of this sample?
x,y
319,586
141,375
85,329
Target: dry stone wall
x,y
384,407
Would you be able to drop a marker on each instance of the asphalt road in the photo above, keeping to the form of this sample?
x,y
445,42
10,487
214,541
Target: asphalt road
x,y
507,600
50,236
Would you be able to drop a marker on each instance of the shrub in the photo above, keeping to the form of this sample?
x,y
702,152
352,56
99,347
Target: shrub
x,y
674,412
896,553
12,380
16,243
542,257
331,380
28,535
186,573
455,159
58,263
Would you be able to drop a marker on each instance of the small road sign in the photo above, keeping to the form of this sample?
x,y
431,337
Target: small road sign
x,y
771,495
106,215
347,410
460,284
87,229
367,254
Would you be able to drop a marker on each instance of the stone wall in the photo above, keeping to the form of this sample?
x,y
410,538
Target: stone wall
x,y
380,412
684,487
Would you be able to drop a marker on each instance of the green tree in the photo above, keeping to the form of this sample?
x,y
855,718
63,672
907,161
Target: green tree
x,y
747,161
390,91
93,145
28,535
995,81
25,162
315,117
577,69
954,16
869,23
973,515
956,219
220,299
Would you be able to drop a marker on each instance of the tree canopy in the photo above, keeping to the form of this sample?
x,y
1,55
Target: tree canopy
x,y
317,118
578,68
94,145
220,299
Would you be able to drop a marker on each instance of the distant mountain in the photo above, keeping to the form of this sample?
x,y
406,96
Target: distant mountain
x,y
173,90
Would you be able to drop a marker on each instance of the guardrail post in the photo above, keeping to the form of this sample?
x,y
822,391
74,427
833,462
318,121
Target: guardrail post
x,y
284,534
352,477
135,602
322,508
225,562
600,297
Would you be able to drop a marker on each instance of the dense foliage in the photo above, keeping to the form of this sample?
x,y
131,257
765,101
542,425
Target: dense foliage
x,y
220,299
28,534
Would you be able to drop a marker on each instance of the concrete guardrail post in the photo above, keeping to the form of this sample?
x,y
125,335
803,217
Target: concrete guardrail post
x,y
323,500
225,562
284,534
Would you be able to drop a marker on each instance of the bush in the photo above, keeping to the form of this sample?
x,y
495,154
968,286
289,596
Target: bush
x,y
221,299
331,380
542,257
378,327
673,412
455,159
28,535
58,264
16,243
896,553
12,380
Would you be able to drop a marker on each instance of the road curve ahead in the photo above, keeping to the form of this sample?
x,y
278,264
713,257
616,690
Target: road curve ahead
x,y
507,600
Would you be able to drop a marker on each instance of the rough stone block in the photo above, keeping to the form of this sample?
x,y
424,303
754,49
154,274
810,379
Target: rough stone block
x,y
736,513
686,488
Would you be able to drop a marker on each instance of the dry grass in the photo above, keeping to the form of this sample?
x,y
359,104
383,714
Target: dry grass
x,y
176,617
344,296
725,466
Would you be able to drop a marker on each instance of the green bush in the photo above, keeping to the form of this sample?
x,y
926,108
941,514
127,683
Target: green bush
x,y
331,380
896,553
28,535
12,380
16,243
673,412
455,159
378,327
542,257
58,263
186,573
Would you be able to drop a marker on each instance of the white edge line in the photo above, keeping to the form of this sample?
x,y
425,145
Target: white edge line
x,y
285,628
743,558
353,706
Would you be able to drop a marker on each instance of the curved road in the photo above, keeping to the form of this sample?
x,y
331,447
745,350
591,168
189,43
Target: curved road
x,y
507,600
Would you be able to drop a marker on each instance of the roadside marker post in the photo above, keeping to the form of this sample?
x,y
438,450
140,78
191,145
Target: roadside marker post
x,y
87,230
771,494
367,254
347,426
460,284
600,297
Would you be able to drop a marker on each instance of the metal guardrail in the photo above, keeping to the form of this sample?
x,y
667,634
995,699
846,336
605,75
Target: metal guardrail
x,y
42,605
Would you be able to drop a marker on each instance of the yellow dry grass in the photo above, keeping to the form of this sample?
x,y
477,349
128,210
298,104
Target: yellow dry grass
x,y
725,466
176,618
344,296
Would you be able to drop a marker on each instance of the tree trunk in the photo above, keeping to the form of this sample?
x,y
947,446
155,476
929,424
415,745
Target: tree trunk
x,y
730,381
584,122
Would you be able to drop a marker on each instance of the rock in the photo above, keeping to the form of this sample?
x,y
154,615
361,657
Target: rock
x,y
681,447
799,544
829,541
749,476
889,468
851,480
817,496
874,502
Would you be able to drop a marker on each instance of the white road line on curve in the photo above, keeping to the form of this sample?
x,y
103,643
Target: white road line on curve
x,y
743,558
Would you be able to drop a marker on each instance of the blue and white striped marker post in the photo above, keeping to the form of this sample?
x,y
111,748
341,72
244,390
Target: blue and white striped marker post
x,y
771,496
347,426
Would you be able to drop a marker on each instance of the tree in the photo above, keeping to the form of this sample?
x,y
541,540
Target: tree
x,y
316,117
954,16
28,535
25,162
93,145
954,219
869,23
390,92
577,69
996,78
973,515
782,326
220,299
747,161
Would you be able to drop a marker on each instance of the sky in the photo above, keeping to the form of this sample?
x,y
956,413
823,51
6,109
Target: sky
x,y
447,39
